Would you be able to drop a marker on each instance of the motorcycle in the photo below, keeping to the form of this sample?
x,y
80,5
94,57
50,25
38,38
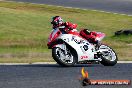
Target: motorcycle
x,y
70,49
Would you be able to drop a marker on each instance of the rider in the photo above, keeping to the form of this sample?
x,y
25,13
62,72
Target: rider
x,y
69,27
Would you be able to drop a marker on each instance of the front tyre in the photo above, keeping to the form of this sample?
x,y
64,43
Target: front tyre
x,y
109,57
63,58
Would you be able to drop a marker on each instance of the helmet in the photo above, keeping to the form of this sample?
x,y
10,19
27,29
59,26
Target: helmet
x,y
57,21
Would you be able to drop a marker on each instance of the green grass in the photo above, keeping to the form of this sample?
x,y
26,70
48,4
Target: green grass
x,y
24,28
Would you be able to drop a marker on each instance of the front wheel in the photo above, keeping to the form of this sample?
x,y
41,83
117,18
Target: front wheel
x,y
109,57
63,57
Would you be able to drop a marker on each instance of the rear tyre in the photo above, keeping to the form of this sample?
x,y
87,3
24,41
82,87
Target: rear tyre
x,y
109,57
63,59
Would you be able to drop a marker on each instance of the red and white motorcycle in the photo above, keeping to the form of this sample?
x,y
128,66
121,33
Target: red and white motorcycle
x,y
70,49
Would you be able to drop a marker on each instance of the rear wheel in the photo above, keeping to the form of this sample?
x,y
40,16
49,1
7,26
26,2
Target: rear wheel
x,y
63,57
109,57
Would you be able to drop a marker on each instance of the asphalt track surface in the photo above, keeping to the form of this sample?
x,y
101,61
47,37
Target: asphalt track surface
x,y
116,6
54,76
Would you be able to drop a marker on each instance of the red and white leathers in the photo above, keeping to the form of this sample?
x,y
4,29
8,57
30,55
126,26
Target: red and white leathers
x,y
67,27
70,27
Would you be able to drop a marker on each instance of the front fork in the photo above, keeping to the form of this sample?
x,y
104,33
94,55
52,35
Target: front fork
x,y
64,50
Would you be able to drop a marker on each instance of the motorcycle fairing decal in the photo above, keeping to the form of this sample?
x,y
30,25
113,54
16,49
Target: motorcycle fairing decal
x,y
78,41
84,57
81,51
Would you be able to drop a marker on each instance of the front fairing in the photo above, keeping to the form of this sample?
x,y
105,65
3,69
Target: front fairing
x,y
53,35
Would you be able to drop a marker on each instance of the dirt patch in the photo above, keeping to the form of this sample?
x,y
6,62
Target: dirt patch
x,y
129,44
